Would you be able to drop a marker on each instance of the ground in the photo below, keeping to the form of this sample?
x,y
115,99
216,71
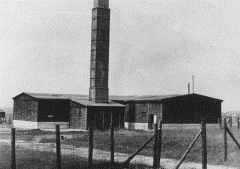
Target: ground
x,y
176,139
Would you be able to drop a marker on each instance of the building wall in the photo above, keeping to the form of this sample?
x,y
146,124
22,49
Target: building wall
x,y
78,116
101,116
39,125
153,111
25,108
190,109
53,110
138,114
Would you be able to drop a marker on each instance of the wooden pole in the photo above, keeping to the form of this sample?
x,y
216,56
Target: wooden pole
x,y
103,123
58,147
189,148
112,144
234,139
230,121
204,144
159,144
90,149
220,122
238,122
13,149
225,139
119,120
155,147
142,147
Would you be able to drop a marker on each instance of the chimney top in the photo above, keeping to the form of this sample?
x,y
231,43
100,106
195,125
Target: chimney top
x,y
101,4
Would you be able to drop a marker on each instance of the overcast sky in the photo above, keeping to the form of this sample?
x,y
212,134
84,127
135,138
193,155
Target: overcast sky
x,y
155,48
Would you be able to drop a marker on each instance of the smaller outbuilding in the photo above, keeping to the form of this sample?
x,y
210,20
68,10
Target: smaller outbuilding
x,y
40,110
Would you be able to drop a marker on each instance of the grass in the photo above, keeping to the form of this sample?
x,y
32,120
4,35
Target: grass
x,y
175,142
176,139
30,159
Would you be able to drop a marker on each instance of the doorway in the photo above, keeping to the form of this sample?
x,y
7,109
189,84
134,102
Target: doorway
x,y
152,119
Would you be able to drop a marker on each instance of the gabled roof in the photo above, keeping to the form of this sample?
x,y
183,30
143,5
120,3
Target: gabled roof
x,y
81,99
195,95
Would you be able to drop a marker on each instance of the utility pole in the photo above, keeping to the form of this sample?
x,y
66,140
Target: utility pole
x,y
193,83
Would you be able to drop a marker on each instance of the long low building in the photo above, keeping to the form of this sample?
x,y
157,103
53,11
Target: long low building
x,y
37,110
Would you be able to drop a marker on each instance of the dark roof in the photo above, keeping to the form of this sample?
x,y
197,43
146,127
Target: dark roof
x,y
143,97
111,97
195,95
81,99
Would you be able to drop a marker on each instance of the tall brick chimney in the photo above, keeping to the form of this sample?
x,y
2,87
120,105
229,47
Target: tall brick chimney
x,y
98,90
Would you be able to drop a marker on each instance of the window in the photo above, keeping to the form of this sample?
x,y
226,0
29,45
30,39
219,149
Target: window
x,y
79,114
143,115
29,113
50,116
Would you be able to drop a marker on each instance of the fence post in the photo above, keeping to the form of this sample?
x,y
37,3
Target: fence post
x,y
225,139
13,149
58,147
238,122
155,147
204,144
112,143
230,121
220,123
159,144
90,149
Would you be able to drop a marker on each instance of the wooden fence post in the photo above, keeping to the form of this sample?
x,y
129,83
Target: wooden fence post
x,y
220,123
58,147
204,144
155,147
238,122
13,149
230,121
159,144
112,144
90,149
225,139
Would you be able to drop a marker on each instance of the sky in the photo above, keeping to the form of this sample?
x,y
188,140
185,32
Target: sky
x,y
155,48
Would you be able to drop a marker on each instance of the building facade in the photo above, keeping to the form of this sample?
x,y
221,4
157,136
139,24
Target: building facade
x,y
39,111
143,111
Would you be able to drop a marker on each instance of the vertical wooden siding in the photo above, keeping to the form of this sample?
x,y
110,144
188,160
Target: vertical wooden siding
x,y
74,121
25,108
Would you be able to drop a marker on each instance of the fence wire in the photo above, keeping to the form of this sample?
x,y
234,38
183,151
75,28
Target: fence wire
x,y
37,149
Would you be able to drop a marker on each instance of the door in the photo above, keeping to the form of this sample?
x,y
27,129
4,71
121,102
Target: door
x,y
150,121
75,117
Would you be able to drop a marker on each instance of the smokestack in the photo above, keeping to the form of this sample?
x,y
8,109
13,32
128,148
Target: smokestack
x,y
188,88
98,90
